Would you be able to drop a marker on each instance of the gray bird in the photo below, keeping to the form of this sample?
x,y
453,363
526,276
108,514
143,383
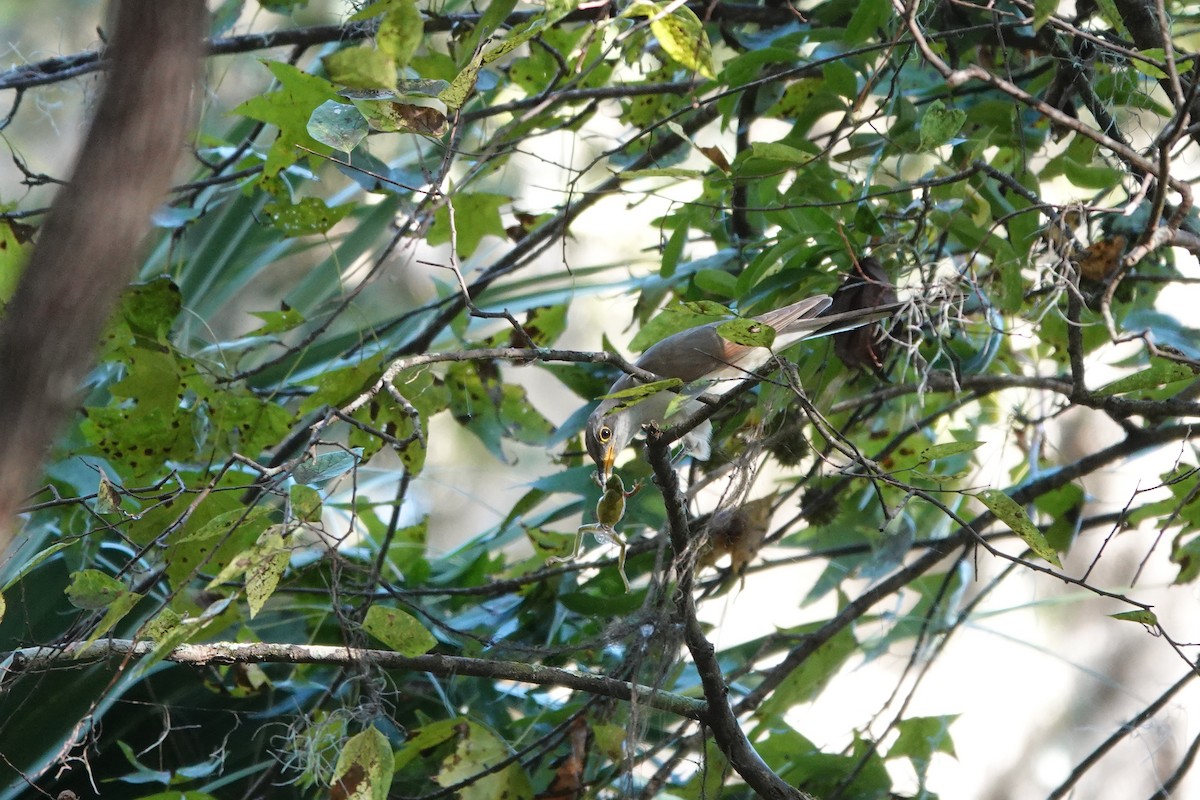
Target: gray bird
x,y
702,354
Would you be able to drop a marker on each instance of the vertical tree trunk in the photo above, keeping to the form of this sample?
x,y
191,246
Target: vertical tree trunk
x,y
87,249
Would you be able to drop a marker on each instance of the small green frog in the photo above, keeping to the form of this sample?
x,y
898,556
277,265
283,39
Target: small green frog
x,y
609,511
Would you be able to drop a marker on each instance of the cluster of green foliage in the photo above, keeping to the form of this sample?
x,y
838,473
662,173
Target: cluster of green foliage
x,y
229,483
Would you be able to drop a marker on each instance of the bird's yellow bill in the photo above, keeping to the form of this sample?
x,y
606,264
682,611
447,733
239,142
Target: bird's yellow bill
x,y
606,468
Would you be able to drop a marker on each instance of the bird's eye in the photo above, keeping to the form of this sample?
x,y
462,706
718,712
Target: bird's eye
x,y
604,434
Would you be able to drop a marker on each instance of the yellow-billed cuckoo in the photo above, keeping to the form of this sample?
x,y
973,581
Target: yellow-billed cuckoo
x,y
701,354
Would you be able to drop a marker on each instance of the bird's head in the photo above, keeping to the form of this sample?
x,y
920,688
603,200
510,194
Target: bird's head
x,y
608,432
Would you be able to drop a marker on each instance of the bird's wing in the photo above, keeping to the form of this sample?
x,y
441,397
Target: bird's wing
x,y
689,355
797,316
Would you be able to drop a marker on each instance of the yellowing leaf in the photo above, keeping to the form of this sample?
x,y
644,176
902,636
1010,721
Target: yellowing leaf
x,y
478,750
400,31
398,630
1011,514
460,88
364,767
361,68
681,35
267,563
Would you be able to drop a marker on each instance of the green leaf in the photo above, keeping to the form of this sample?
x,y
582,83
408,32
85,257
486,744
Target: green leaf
x,y
277,321
430,735
361,68
289,109
308,216
384,414
1011,514
869,17
1185,549
661,172
1160,373
476,215
806,681
635,394
336,387
920,738
775,151
544,324
493,16
1042,11
670,320
222,524
151,308
749,332
716,281
1154,54
947,449
606,599
1110,14
1091,176
326,466
117,610
37,559
611,740
339,125
705,308
940,124
407,552
401,31
1140,615
364,767
491,409
399,631
841,79
91,589
14,252
305,503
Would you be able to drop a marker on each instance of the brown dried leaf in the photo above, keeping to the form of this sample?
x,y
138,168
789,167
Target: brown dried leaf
x,y
1101,260
715,155
567,783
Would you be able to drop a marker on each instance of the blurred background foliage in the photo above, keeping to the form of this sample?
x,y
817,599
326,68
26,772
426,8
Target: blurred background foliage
x,y
267,451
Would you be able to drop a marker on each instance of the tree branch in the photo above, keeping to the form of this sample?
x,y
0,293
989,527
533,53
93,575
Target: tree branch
x,y
35,659
720,717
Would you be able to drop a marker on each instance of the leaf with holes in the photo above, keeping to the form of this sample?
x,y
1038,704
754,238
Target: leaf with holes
x,y
748,332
